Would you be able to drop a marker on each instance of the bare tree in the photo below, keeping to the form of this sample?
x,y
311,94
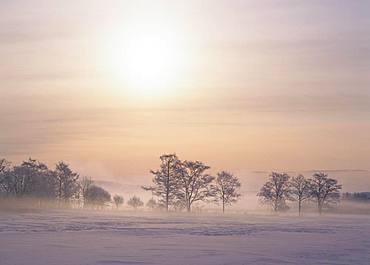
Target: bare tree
x,y
118,200
299,190
164,180
135,202
67,185
193,182
225,189
325,190
276,191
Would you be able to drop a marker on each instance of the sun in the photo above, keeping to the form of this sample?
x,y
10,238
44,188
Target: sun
x,y
147,63
150,62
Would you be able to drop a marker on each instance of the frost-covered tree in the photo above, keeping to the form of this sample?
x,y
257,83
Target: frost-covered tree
x,y
225,189
135,202
67,181
164,180
118,200
193,183
325,190
299,190
276,191
97,196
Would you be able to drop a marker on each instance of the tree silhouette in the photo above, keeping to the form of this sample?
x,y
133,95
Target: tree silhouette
x,y
225,189
325,190
193,184
299,190
276,191
67,185
164,180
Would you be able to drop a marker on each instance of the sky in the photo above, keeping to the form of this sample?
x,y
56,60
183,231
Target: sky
x,y
245,86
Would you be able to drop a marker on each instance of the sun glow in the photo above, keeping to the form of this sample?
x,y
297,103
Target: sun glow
x,y
146,62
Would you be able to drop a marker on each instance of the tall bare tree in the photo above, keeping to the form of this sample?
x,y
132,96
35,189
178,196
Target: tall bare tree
x,y
325,190
193,183
276,191
299,190
164,180
225,189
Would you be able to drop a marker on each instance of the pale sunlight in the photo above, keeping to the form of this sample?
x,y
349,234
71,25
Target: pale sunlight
x,y
148,62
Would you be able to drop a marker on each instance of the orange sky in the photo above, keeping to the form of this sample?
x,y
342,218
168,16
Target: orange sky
x,y
241,85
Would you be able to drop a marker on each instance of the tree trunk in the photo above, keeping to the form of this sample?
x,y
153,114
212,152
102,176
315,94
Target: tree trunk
x,y
167,201
299,207
60,189
275,205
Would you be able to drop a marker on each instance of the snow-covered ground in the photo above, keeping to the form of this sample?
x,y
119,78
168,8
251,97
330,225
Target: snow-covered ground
x,y
78,238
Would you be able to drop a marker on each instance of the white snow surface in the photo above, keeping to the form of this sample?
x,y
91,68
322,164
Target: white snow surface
x,y
114,238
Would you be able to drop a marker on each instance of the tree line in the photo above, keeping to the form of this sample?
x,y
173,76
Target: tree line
x,y
33,179
357,196
281,188
177,184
